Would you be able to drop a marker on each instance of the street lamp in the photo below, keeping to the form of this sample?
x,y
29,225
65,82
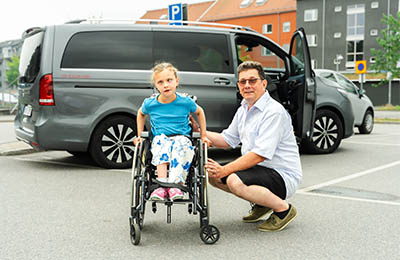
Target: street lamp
x,y
337,60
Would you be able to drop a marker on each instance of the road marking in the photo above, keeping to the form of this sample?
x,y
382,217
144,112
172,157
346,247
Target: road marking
x,y
349,177
385,144
348,198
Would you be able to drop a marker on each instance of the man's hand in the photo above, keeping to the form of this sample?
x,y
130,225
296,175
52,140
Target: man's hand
x,y
214,169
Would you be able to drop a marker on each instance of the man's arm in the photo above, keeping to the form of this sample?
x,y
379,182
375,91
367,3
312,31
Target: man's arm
x,y
217,140
242,163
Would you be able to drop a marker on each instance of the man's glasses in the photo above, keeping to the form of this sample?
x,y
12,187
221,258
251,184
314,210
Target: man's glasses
x,y
251,81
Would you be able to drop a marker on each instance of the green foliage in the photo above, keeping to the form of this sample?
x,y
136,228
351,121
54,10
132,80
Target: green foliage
x,y
13,72
388,56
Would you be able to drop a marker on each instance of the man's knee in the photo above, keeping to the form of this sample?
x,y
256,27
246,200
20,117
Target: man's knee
x,y
235,184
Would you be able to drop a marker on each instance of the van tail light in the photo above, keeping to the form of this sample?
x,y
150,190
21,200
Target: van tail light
x,y
46,94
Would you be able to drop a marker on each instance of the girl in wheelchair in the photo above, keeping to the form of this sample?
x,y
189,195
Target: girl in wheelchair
x,y
169,117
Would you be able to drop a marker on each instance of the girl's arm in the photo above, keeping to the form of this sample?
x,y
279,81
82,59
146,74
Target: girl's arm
x,y
140,119
202,123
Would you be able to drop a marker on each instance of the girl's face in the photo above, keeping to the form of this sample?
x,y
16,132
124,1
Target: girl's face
x,y
166,83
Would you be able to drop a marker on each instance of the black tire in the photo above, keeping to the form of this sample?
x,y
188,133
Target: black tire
x,y
111,145
135,233
367,123
328,133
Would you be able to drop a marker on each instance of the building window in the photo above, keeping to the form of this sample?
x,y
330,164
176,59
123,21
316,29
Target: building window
x,y
313,64
260,2
374,5
312,40
355,21
267,28
373,32
310,15
355,51
337,35
265,52
338,9
245,3
286,27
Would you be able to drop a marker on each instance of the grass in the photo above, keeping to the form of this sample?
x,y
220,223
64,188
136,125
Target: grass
x,y
387,120
388,108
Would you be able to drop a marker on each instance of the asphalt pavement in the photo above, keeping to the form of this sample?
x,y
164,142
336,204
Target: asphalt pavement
x,y
9,145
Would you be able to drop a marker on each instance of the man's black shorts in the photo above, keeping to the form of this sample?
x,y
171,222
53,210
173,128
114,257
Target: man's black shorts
x,y
263,176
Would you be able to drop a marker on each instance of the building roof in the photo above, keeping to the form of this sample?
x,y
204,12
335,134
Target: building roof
x,y
229,9
195,11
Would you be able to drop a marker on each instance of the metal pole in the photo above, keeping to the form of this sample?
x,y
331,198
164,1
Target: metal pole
x,y
388,74
323,35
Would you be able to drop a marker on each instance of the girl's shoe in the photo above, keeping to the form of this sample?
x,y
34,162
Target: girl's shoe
x,y
175,193
158,194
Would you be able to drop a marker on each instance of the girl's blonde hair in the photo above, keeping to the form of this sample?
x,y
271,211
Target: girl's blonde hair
x,y
161,67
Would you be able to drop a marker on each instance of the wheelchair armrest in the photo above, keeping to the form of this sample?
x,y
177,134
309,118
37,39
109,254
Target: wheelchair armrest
x,y
196,135
145,134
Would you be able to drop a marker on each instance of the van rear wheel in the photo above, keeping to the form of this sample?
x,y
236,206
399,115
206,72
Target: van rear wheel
x,y
111,145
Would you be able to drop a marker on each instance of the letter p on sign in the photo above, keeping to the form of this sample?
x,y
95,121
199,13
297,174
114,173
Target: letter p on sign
x,y
175,13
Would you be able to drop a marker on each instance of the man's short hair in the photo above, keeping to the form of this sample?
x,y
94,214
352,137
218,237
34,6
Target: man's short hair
x,y
248,65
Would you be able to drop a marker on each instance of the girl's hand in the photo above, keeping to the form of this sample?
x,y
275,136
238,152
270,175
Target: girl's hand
x,y
137,140
206,140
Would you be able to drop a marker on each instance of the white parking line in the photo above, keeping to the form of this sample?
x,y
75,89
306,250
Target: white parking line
x,y
349,177
348,198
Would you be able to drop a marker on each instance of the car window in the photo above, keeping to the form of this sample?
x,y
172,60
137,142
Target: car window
x,y
328,75
344,82
109,50
29,64
251,49
197,52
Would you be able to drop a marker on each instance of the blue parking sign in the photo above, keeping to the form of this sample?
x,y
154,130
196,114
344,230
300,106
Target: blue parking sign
x,y
175,13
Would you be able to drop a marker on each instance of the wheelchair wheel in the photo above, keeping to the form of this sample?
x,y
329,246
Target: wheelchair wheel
x,y
135,233
209,234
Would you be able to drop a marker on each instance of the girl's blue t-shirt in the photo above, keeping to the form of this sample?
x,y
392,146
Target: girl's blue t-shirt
x,y
169,119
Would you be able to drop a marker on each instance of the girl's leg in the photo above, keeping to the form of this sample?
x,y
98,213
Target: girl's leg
x,y
181,158
160,151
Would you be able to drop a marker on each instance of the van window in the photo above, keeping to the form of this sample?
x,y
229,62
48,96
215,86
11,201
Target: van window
x,y
201,52
29,63
109,50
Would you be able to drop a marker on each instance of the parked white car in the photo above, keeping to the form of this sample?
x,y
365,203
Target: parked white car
x,y
363,108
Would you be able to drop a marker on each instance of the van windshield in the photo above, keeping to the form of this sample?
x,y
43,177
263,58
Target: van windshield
x,y
29,64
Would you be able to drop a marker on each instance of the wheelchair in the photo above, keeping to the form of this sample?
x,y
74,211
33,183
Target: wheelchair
x,y
144,182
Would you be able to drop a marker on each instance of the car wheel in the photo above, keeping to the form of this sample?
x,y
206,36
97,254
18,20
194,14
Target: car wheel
x,y
111,145
328,133
367,123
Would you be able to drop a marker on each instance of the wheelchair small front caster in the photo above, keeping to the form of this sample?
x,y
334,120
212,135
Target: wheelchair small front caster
x,y
209,234
190,208
135,233
154,207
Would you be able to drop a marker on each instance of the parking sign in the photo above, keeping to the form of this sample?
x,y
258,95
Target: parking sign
x,y
175,13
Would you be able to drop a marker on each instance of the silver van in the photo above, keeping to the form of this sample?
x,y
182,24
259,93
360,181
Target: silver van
x,y
82,83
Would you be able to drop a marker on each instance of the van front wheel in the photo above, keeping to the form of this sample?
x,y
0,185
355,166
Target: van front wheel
x,y
111,145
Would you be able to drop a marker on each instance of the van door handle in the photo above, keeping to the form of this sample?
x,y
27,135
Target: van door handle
x,y
222,81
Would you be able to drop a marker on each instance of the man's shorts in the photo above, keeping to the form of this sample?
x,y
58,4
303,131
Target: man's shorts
x,y
262,176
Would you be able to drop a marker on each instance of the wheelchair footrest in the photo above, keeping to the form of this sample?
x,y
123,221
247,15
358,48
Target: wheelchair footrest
x,y
171,185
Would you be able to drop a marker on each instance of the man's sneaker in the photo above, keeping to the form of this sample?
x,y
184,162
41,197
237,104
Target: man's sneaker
x,y
175,193
256,213
274,223
158,194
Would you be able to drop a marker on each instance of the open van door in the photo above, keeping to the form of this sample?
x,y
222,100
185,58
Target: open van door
x,y
304,78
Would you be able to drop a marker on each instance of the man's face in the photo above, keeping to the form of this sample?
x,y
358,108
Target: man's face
x,y
251,86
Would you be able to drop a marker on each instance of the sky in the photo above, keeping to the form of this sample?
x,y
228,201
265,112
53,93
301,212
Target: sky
x,y
19,15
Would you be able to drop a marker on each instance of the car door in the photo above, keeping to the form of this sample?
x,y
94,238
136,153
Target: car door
x,y
302,80
204,61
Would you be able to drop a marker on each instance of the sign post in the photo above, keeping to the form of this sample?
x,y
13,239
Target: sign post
x,y
361,69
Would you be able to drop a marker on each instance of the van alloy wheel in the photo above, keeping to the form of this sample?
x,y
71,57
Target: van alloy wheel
x,y
327,135
112,142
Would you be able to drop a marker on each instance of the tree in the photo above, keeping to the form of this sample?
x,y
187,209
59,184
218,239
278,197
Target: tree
x,y
13,72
